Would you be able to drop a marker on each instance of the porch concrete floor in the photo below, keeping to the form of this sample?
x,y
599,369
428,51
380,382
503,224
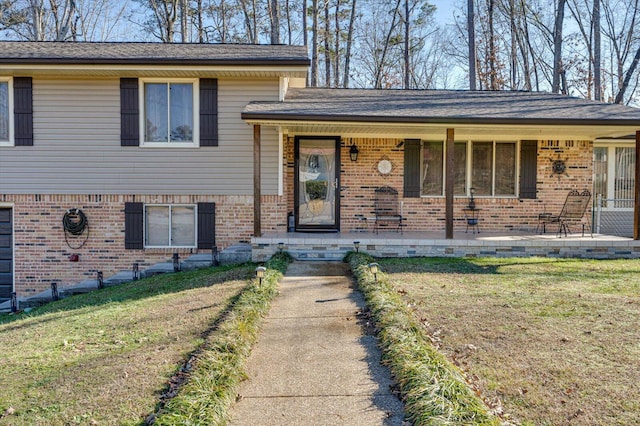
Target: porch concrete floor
x,y
424,237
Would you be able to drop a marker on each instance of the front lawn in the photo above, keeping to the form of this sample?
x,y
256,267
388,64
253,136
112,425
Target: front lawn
x,y
106,357
548,341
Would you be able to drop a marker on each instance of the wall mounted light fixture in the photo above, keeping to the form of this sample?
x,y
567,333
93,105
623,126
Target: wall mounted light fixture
x,y
353,152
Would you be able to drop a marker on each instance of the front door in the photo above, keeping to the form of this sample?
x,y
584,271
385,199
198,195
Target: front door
x,y
317,183
6,254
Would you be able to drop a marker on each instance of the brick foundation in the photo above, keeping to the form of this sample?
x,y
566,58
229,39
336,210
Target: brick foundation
x,y
41,253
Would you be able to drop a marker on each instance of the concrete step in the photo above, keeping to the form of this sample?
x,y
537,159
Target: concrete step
x,y
195,261
159,268
238,253
120,278
318,255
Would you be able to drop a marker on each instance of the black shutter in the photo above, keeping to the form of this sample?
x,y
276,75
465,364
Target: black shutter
x,y
208,112
129,112
412,168
206,225
23,111
133,226
528,169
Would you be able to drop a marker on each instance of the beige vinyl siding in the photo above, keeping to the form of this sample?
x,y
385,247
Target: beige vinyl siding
x,y
77,147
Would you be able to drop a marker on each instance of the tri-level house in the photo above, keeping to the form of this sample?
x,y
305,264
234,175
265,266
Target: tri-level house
x,y
114,153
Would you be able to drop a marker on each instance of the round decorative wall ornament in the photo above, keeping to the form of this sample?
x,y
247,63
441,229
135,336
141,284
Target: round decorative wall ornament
x,y
384,166
558,167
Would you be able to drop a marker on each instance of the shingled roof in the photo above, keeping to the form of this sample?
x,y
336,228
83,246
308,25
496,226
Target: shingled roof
x,y
440,106
20,52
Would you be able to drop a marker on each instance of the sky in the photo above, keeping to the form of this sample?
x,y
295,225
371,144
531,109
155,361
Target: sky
x,y
444,10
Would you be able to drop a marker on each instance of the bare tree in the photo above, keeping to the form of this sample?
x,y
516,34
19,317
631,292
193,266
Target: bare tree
x,y
274,19
557,47
597,52
315,60
347,57
472,43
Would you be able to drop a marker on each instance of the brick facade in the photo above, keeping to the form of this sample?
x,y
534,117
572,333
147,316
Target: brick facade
x,y
500,214
42,255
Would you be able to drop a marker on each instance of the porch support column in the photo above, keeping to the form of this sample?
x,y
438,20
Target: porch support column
x,y
636,203
448,185
257,191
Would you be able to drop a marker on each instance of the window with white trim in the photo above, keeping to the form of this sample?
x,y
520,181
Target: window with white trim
x,y
488,167
170,225
169,112
6,109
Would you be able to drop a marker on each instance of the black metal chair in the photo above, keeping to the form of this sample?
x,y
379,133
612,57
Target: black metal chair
x,y
387,208
574,208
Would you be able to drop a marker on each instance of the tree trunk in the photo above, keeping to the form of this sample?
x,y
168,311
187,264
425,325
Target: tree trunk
x,y
200,22
274,18
407,32
315,61
327,46
336,48
557,47
347,58
37,24
627,78
472,43
597,52
493,52
289,29
514,45
184,20
383,58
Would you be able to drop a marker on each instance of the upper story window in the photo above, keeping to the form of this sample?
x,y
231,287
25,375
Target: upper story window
x,y
6,109
169,113
488,167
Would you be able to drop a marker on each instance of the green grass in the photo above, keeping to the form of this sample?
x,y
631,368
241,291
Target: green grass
x,y
220,365
545,341
106,357
434,391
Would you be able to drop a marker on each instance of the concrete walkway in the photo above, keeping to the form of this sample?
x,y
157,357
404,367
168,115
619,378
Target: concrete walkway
x,y
313,363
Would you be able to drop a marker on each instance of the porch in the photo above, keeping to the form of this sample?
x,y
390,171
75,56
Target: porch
x,y
334,246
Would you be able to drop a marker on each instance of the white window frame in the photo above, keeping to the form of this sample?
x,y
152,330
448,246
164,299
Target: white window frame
x,y
196,113
170,206
11,140
468,172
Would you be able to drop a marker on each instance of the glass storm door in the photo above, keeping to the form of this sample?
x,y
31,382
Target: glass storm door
x,y
317,184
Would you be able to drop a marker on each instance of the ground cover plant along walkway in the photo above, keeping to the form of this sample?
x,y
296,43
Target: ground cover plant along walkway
x,y
434,391
105,357
550,341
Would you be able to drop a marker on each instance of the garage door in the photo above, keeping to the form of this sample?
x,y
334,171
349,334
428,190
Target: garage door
x,y
6,255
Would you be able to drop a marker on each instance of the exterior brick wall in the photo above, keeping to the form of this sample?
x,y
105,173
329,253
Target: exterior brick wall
x,y
42,255
501,214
